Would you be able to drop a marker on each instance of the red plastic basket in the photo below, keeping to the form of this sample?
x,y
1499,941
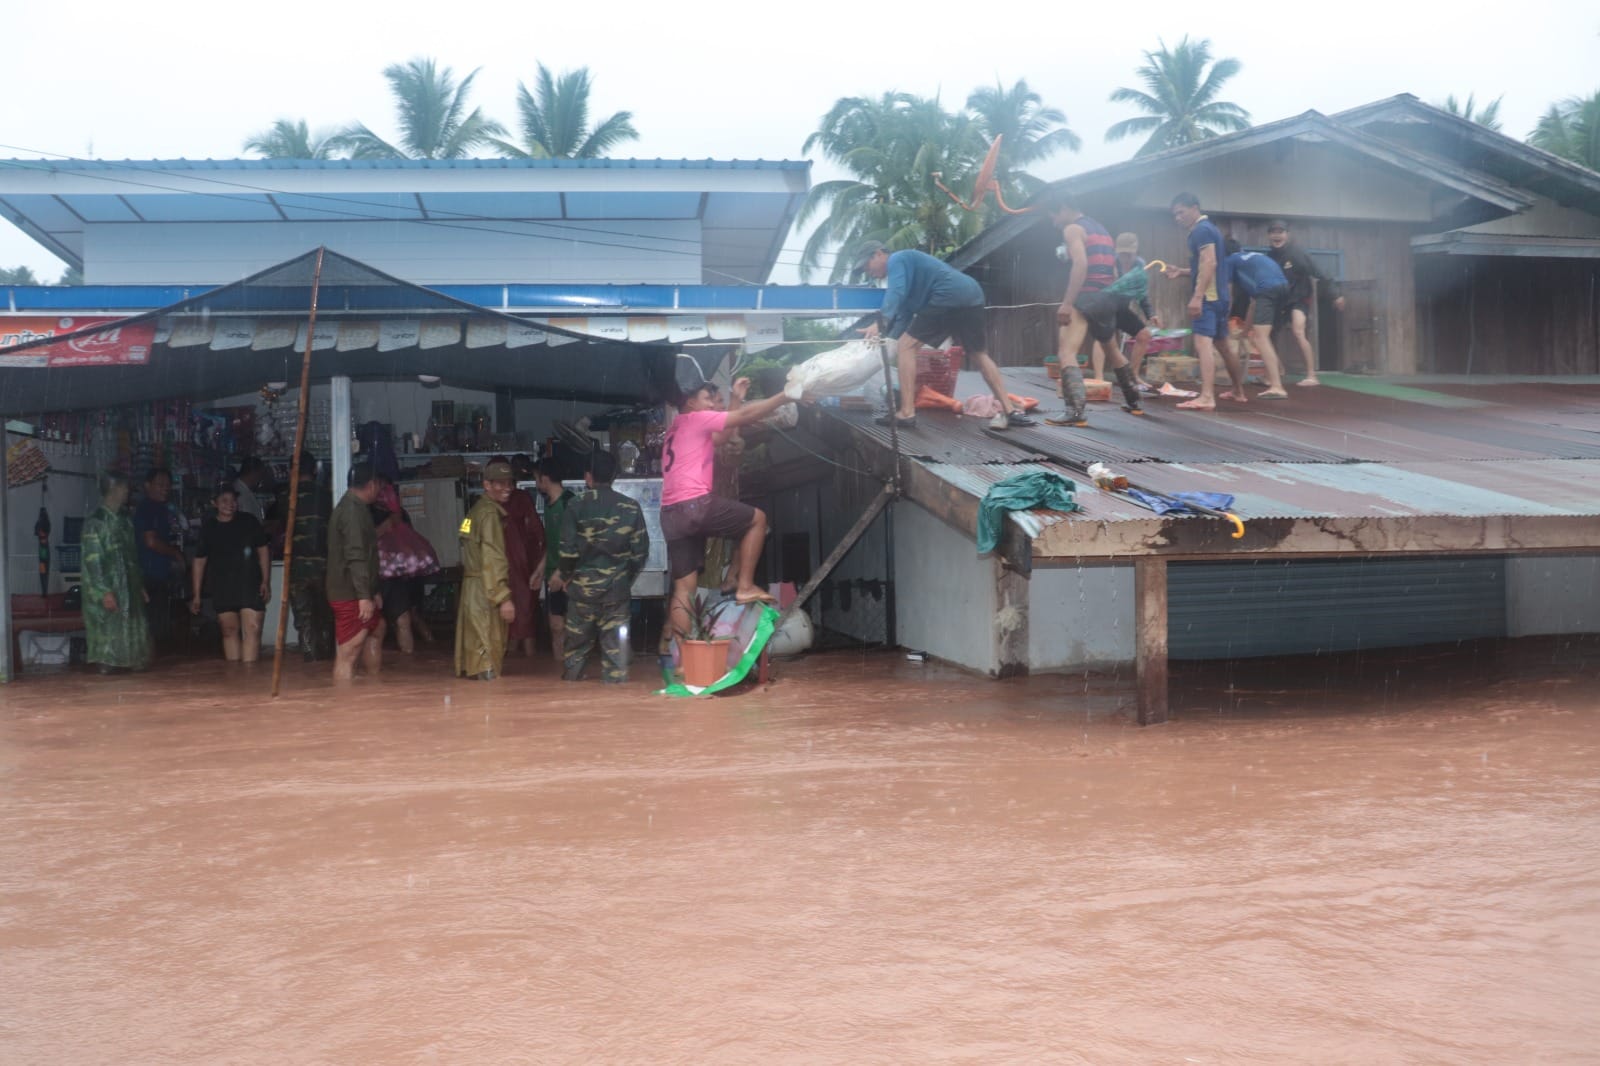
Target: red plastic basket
x,y
937,368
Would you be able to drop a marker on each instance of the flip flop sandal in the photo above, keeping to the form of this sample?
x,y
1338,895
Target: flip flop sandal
x,y
1196,405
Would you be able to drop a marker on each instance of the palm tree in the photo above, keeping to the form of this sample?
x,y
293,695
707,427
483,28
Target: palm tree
x,y
1031,133
1488,118
1571,130
292,139
1181,105
555,120
892,146
434,121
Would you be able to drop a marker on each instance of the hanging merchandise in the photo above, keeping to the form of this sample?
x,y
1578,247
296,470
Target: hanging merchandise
x,y
41,530
25,463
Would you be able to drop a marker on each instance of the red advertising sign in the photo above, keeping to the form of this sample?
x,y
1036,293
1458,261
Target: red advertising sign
x,y
114,345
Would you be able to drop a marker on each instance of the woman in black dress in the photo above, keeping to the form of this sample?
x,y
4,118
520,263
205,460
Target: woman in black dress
x,y
232,553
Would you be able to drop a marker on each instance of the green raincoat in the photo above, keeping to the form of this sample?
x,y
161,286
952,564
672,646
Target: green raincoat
x,y
485,585
111,564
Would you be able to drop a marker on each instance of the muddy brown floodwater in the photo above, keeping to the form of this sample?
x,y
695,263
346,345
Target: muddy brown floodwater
x,y
1358,859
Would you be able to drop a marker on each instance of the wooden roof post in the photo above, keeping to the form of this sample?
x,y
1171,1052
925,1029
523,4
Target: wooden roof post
x,y
1150,638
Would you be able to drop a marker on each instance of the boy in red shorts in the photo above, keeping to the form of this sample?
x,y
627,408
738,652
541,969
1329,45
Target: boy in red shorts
x,y
352,581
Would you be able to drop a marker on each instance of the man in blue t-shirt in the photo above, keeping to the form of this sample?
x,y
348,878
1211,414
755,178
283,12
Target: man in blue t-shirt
x,y
1261,299
925,302
1208,306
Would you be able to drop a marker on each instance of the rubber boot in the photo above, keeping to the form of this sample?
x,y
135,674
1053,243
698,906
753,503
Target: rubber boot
x,y
1130,391
1073,395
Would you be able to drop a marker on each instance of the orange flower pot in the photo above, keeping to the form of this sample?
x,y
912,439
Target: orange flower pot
x,y
704,661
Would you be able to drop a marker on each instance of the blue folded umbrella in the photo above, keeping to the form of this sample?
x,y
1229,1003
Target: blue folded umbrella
x,y
1183,502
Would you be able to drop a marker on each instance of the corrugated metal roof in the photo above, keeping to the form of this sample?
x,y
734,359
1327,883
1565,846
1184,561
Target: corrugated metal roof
x,y
1387,490
1531,450
940,438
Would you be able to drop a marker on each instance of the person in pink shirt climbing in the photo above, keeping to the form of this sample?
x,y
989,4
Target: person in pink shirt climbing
x,y
690,512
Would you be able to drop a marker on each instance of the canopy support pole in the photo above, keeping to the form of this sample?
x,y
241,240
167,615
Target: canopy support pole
x,y
294,480
6,665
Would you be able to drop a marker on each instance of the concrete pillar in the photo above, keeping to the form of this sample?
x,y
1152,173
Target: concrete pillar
x,y
1010,621
340,430
1150,639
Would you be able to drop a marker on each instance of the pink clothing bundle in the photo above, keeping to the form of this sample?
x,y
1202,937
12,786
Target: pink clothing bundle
x,y
402,551
982,406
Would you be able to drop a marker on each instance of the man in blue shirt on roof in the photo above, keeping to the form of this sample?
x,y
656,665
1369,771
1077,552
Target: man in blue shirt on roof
x,y
1259,286
926,302
1208,306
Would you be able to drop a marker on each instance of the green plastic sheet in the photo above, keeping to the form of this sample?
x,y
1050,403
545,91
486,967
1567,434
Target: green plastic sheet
x,y
765,627
1024,492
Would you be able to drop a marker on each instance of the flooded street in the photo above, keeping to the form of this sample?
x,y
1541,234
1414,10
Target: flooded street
x,y
1338,860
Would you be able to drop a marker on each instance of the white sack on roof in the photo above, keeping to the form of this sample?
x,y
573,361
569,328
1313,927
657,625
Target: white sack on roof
x,y
835,372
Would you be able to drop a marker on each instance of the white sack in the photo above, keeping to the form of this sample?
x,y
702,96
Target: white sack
x,y
835,372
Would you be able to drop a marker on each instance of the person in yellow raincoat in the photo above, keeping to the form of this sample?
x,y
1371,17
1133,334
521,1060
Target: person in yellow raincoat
x,y
486,609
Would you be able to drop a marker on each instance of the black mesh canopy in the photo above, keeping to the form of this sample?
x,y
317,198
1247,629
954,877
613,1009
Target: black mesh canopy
x,y
370,326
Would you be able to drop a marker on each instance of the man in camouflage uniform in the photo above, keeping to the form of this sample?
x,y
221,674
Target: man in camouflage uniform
x,y
603,547
308,567
486,611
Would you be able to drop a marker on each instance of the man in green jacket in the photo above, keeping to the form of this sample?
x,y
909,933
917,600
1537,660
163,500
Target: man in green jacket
x,y
604,545
352,580
113,585
486,611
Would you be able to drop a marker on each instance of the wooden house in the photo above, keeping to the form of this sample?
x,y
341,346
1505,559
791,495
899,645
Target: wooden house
x,y
1459,249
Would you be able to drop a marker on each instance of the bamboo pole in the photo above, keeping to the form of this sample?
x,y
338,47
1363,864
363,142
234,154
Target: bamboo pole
x,y
294,478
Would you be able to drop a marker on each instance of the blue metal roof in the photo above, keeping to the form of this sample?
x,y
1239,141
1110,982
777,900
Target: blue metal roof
x,y
738,212
687,299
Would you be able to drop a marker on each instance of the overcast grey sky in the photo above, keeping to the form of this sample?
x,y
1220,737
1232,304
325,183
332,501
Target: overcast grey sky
x,y
733,80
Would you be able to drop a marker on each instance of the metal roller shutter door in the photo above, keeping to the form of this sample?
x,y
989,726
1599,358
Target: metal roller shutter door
x,y
1282,607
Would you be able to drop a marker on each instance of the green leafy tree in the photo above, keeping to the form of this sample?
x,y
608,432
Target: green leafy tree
x,y
891,146
292,139
1571,130
1030,132
554,120
18,276
1488,117
1179,99
71,276
431,107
